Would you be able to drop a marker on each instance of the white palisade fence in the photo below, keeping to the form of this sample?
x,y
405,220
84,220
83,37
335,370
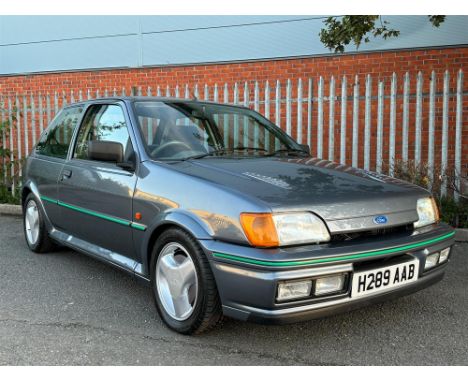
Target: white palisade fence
x,y
361,120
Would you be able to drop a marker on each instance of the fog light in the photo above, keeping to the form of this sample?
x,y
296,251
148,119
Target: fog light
x,y
292,290
329,284
431,261
444,254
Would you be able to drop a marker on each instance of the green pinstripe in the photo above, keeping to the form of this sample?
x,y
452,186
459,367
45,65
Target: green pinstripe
x,y
50,200
332,259
128,223
140,227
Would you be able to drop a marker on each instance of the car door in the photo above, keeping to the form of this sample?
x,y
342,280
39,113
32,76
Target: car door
x,y
49,157
96,196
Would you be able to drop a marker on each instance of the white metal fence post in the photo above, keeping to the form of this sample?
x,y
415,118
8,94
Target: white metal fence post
x,y
391,144
18,130
256,108
236,116
215,93
458,134
33,119
226,117
380,115
445,119
56,107
299,111
288,107
49,117
331,121
245,130
12,158
267,114
344,102
25,126
310,96
417,137
320,119
41,114
430,148
367,122
3,122
404,138
277,109
355,153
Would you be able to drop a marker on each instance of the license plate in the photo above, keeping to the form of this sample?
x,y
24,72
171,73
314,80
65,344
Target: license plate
x,y
382,279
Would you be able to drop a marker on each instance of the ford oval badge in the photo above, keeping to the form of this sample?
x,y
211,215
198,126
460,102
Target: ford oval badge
x,y
381,219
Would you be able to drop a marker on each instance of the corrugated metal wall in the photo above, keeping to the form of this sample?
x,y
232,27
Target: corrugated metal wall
x,y
52,43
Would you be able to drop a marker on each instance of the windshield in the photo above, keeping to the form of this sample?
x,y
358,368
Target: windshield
x,y
186,130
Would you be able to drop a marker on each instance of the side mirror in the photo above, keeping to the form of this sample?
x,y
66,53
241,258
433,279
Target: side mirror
x,y
106,151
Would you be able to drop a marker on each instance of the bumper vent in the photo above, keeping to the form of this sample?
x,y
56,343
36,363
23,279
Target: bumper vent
x,y
339,237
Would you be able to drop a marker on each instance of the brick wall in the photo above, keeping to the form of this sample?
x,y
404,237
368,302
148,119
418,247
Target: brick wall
x,y
380,65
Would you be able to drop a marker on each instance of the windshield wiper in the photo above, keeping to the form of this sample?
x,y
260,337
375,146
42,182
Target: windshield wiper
x,y
247,148
289,151
199,156
222,151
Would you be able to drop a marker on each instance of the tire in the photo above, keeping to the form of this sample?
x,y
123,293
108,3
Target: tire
x,y
199,303
39,242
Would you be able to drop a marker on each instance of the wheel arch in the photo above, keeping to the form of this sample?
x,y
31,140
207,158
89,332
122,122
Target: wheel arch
x,y
28,188
174,219
25,191
31,188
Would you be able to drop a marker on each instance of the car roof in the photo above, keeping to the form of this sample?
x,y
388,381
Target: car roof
x,y
150,98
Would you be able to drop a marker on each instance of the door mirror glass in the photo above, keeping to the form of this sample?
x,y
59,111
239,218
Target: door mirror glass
x,y
105,151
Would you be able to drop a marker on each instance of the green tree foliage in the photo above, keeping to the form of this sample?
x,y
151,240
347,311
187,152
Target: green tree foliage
x,y
341,31
8,164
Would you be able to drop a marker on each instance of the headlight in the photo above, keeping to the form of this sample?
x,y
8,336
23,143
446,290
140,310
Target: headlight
x,y
272,230
427,212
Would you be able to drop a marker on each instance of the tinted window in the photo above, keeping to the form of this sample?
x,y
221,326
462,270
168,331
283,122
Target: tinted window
x,y
103,123
56,139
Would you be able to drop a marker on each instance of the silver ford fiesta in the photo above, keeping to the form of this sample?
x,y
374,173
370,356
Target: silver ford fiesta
x,y
222,213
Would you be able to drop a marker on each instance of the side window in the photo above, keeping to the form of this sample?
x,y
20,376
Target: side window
x,y
103,123
55,141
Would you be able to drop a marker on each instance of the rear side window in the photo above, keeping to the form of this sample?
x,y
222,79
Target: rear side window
x,y
56,139
103,123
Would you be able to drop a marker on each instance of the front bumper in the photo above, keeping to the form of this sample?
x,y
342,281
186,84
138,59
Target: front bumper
x,y
247,278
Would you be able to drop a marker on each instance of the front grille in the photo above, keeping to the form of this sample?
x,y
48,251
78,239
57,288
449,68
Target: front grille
x,y
339,237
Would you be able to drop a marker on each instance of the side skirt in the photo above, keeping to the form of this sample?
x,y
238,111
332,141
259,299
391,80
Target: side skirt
x,y
115,259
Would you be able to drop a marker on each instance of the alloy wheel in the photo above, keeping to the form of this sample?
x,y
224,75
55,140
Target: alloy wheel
x,y
176,281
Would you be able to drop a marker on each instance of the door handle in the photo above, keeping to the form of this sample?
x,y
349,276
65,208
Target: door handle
x,y
66,174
